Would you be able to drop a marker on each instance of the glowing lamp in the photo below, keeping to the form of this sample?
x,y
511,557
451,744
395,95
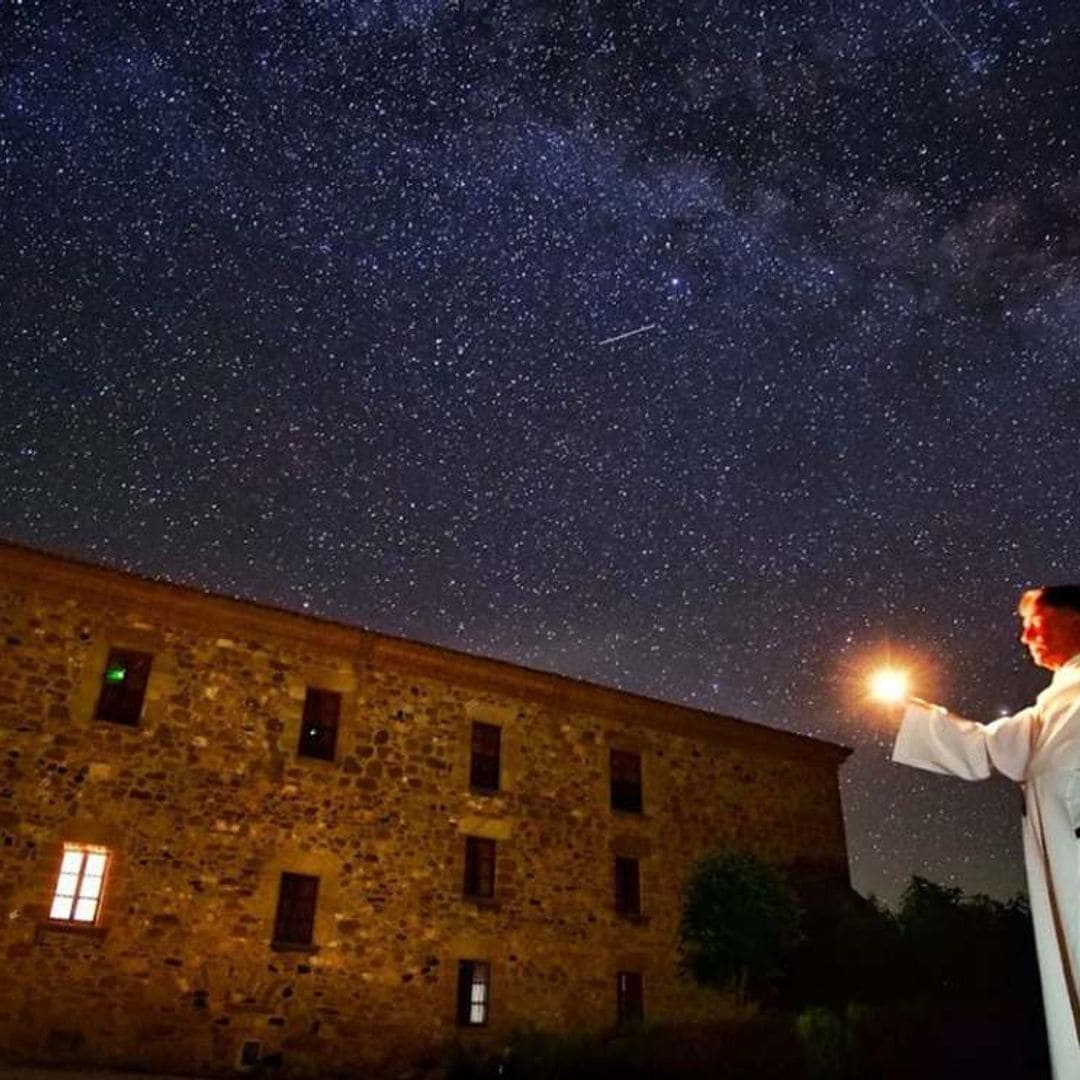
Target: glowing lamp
x,y
115,674
890,686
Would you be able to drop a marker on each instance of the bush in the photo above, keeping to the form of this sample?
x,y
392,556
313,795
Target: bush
x,y
930,1040
737,1050
828,1042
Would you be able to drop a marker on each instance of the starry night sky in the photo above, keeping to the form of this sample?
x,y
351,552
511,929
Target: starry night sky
x,y
311,302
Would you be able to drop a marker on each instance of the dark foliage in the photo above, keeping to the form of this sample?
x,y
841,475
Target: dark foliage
x,y
968,947
852,949
737,1050
939,946
739,919
931,1041
947,986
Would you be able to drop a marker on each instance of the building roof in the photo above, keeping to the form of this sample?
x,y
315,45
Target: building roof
x,y
232,615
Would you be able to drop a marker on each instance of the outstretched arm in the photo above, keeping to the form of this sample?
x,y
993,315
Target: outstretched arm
x,y
931,738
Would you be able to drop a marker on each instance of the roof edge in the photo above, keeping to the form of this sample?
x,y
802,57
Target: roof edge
x,y
56,569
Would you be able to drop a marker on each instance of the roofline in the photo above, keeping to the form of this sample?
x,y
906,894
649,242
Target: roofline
x,y
53,569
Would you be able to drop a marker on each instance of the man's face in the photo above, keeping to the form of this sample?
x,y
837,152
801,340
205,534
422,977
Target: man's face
x,y
1052,635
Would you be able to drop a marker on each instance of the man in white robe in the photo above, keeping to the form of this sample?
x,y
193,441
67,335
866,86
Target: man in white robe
x,y
1039,747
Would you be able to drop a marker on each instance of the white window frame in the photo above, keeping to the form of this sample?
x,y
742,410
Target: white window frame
x,y
80,885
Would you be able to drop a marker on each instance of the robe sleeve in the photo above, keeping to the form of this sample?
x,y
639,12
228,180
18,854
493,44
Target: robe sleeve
x,y
931,738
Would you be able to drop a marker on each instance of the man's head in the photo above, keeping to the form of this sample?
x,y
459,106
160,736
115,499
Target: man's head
x,y
1051,624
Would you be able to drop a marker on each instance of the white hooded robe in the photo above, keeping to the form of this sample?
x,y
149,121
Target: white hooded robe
x,y
1039,747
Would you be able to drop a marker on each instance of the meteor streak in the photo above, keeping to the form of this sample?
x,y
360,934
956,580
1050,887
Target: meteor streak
x,y
972,59
629,333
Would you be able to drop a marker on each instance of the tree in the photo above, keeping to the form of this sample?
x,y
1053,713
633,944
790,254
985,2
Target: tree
x,y
739,917
968,947
851,949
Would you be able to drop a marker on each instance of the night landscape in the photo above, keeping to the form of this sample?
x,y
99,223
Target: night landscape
x,y
509,364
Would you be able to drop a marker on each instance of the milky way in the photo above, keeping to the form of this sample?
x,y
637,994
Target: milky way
x,y
320,304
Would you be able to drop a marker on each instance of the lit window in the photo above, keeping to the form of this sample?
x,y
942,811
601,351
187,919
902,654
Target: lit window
x,y
77,896
319,727
474,992
123,687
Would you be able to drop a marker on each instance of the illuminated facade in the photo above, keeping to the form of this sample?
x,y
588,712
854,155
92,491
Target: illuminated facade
x,y
233,834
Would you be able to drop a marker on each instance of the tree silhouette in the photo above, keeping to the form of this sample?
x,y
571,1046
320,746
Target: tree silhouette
x,y
739,917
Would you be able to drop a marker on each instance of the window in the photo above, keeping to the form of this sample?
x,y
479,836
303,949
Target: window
x,y
484,765
630,996
250,1054
318,730
479,867
294,923
77,896
123,687
627,886
473,992
626,781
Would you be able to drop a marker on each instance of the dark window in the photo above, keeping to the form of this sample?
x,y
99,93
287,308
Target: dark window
x,y
626,781
318,732
627,886
294,923
630,998
250,1053
123,686
473,992
479,867
484,766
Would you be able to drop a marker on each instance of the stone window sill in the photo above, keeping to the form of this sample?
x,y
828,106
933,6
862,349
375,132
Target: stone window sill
x,y
135,726
87,931
294,946
488,902
638,918
316,760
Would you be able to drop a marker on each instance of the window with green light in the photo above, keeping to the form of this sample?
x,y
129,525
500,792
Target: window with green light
x,y
123,687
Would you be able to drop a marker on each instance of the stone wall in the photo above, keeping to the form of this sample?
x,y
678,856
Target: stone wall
x,y
205,803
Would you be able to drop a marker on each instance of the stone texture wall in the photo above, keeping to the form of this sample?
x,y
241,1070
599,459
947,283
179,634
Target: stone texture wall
x,y
206,802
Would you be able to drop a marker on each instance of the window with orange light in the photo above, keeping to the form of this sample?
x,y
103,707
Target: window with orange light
x,y
79,885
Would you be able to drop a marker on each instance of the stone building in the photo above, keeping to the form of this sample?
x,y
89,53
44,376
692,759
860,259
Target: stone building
x,y
233,833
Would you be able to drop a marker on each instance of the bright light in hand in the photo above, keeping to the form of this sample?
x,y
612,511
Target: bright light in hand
x,y
889,686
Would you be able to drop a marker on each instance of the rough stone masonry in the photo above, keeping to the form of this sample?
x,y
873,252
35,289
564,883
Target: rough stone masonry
x,y
204,802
